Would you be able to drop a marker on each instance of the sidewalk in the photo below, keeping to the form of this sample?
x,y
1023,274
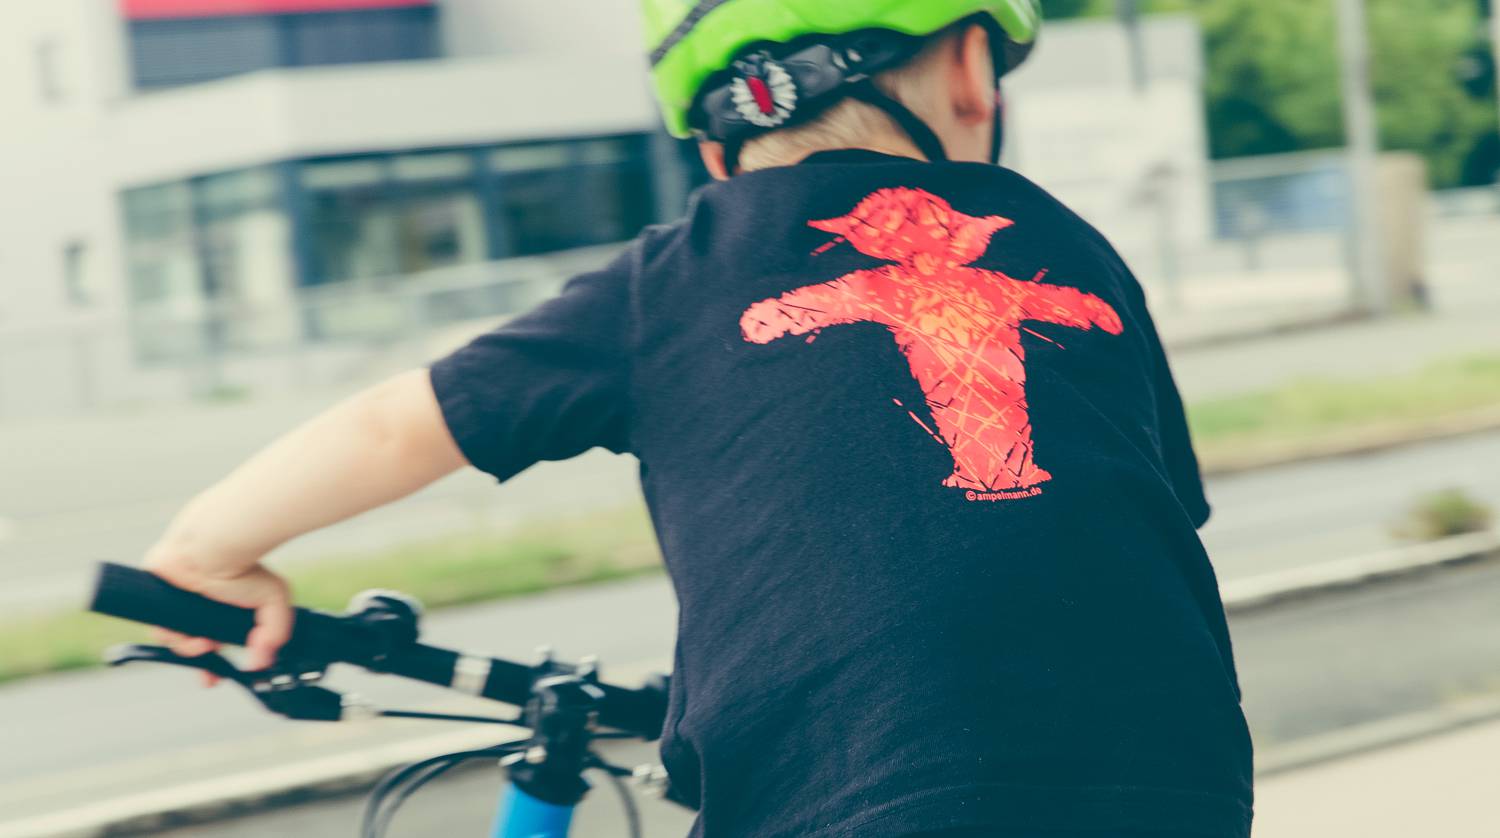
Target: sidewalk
x,y
1443,787
1463,322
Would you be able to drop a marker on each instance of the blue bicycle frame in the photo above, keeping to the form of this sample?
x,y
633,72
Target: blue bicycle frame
x,y
524,816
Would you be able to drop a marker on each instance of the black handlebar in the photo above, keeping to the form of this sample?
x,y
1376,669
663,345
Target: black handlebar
x,y
142,597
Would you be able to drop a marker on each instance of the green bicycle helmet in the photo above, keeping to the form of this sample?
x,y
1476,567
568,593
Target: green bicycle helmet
x,y
694,43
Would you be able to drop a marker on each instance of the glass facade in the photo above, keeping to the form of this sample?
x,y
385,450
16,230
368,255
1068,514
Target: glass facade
x,y
162,262
391,215
575,195
167,52
204,257
232,246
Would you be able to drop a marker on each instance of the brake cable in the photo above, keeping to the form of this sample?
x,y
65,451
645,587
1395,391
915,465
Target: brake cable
x,y
404,781
400,784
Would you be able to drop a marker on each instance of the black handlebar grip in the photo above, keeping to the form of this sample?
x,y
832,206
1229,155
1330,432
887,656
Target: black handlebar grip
x,y
137,595
143,597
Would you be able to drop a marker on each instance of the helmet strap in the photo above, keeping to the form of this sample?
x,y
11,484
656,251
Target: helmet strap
x,y
927,140
732,149
997,146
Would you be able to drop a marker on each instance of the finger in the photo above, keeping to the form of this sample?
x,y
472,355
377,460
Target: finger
x,y
273,628
192,647
167,637
185,645
209,679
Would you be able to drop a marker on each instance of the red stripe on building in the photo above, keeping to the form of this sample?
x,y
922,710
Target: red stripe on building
x,y
149,9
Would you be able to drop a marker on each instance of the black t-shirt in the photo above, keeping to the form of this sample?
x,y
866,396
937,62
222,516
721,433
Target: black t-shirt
x,y
925,491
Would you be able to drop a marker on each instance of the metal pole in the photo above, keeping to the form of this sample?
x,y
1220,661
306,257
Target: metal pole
x,y
1495,39
1130,17
1371,290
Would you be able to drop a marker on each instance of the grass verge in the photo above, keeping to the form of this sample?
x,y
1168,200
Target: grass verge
x,y
1314,413
479,567
441,573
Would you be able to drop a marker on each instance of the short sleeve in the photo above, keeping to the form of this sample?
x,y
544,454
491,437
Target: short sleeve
x,y
1171,417
548,385
1177,440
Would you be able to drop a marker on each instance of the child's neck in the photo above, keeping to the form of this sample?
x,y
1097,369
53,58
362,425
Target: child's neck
x,y
895,147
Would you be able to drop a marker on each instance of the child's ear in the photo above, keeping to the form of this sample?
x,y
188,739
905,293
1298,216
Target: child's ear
x,y
973,77
713,159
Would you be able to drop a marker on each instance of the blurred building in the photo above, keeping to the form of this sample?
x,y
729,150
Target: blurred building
x,y
1121,137
164,159
222,182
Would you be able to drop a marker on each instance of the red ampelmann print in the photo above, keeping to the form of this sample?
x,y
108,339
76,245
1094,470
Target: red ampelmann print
x,y
959,327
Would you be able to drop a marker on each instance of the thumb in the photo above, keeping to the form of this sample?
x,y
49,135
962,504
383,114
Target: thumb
x,y
273,628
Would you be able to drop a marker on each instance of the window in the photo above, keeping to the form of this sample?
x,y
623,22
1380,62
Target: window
x,y
540,210
558,196
75,274
49,69
354,37
166,52
616,177
162,264
390,216
243,237
219,242
442,222
239,244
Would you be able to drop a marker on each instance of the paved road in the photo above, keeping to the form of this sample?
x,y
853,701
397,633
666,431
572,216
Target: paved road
x,y
1290,516
1306,669
87,496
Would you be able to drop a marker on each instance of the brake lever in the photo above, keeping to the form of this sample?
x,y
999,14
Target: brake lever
x,y
212,662
291,692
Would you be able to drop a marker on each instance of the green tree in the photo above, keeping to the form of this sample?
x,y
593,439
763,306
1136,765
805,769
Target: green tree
x,y
1420,49
1273,77
1273,83
1059,9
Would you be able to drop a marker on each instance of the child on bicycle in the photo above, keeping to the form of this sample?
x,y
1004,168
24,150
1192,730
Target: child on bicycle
x,y
913,452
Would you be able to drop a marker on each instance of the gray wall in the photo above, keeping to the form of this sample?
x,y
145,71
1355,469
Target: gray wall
x,y
489,27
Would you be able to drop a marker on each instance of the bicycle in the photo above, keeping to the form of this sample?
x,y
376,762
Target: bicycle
x,y
565,707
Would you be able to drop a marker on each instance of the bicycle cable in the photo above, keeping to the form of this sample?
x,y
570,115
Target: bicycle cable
x,y
627,800
400,784
379,812
516,721
412,787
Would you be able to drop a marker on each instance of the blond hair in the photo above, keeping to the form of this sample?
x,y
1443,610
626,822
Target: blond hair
x,y
855,124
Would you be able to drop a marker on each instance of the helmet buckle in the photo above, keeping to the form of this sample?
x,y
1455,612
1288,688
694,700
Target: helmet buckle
x,y
763,92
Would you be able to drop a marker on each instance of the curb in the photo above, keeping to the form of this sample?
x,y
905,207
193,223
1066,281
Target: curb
x,y
1256,592
1362,739
1359,442
1178,340
244,794
238,795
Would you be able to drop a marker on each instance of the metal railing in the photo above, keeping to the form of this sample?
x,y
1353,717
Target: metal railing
x,y
1278,249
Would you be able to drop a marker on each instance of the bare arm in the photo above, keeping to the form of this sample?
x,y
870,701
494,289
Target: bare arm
x,y
375,448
